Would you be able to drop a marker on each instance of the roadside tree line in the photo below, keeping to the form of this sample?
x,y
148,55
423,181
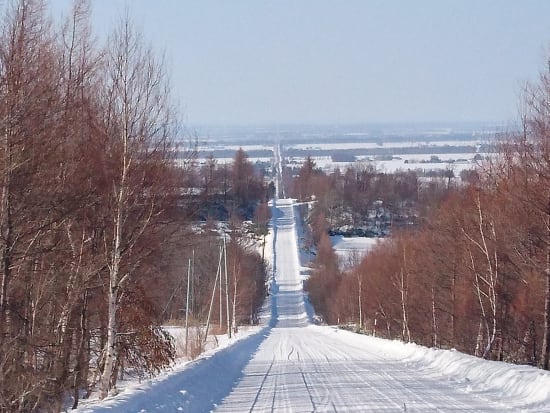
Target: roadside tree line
x,y
475,275
94,216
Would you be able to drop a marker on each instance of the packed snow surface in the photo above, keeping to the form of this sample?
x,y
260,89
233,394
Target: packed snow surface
x,y
292,365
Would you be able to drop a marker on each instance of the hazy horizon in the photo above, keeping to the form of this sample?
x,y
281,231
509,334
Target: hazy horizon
x,y
318,61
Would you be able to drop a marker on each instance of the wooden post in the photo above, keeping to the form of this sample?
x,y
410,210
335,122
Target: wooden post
x,y
226,287
187,306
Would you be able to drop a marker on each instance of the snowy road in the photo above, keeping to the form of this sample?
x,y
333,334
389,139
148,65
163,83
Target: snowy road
x,y
292,365
304,368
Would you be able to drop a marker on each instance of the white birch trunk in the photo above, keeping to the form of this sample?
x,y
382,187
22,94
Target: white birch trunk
x,y
434,319
110,346
486,280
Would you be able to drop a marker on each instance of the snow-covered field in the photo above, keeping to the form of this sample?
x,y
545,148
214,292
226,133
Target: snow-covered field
x,y
405,161
228,161
350,250
413,143
245,147
401,163
291,365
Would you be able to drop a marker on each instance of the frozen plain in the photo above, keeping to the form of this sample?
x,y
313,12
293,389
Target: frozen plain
x,y
291,365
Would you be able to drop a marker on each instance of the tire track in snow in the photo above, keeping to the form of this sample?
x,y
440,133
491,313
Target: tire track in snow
x,y
345,369
309,392
266,375
290,354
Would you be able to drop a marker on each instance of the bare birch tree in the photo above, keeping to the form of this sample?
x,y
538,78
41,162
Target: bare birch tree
x,y
482,239
137,123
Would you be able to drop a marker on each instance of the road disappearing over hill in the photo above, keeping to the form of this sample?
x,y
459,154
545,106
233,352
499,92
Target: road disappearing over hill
x,y
293,365
301,367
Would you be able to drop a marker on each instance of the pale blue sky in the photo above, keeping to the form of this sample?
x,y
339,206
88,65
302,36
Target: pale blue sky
x,y
320,61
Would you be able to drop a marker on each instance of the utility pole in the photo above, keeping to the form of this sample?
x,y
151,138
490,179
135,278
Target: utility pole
x,y
213,296
192,293
226,287
187,306
221,294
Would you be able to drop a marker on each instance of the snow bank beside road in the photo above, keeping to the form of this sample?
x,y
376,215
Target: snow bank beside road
x,y
195,386
517,386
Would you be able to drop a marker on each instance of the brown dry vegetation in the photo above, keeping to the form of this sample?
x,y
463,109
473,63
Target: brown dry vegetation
x,y
473,273
94,229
